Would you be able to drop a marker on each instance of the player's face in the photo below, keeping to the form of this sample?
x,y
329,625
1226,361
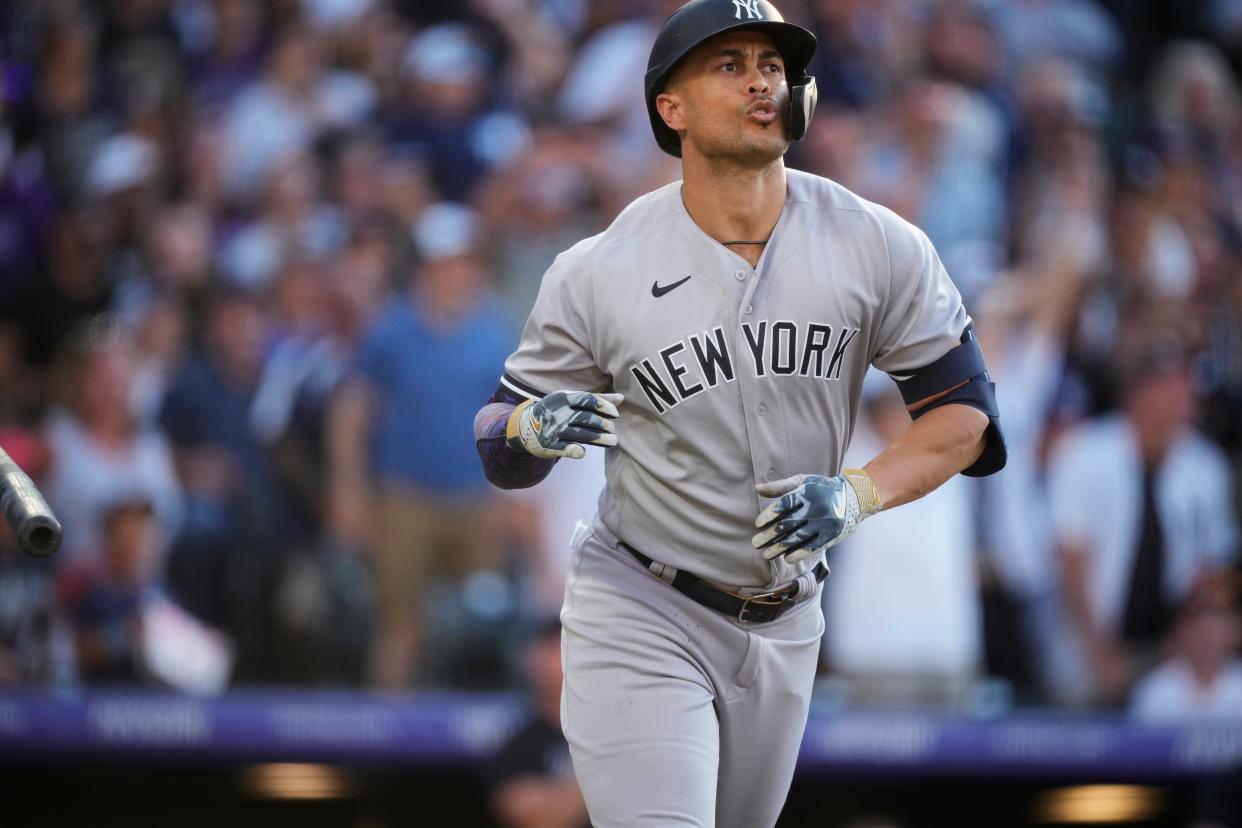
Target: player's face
x,y
729,98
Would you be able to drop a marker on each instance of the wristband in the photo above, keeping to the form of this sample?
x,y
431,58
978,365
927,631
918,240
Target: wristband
x,y
868,497
513,428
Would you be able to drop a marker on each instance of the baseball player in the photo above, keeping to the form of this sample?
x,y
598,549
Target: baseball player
x,y
714,340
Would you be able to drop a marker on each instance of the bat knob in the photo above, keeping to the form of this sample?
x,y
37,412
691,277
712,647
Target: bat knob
x,y
39,536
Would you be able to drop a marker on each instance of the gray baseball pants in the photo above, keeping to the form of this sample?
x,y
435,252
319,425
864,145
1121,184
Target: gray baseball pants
x,y
677,715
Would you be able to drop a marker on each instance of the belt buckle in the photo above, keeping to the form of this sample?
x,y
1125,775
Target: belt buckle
x,y
779,602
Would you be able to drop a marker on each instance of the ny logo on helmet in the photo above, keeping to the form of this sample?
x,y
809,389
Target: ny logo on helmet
x,y
751,7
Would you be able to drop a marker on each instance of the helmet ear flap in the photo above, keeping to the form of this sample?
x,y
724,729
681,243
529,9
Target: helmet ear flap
x,y
802,99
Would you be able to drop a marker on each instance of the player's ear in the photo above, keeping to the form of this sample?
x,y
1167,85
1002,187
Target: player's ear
x,y
668,104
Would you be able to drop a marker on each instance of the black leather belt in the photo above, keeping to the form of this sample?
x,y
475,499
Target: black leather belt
x,y
759,608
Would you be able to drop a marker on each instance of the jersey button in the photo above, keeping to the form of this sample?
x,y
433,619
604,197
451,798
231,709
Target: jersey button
x,y
771,475
741,275
747,309
762,409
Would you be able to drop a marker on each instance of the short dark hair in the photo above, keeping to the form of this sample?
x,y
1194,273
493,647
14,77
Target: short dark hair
x,y
1156,354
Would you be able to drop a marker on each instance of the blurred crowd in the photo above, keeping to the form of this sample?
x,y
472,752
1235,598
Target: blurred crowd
x,y
261,262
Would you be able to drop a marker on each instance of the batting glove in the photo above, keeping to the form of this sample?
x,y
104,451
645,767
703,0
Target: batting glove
x,y
812,513
560,424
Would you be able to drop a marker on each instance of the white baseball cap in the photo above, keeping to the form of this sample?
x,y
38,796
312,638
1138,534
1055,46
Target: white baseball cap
x,y
445,230
446,52
121,162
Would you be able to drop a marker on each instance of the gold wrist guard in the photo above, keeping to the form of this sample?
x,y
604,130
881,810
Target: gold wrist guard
x,y
868,497
513,435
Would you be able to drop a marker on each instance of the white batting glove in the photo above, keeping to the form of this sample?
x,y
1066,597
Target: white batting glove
x,y
562,423
812,513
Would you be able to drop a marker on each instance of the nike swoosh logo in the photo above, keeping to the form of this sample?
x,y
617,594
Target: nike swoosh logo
x,y
658,291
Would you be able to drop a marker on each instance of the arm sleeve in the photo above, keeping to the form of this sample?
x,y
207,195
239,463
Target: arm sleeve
x,y
924,316
503,466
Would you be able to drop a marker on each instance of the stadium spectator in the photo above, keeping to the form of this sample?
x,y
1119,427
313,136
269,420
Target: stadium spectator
x,y
159,341
1075,29
1061,178
448,113
64,115
289,107
35,648
597,89
121,185
26,207
532,782
902,616
68,287
222,563
1141,510
543,202
937,161
1195,101
97,445
1202,679
224,49
320,311
1025,319
107,594
357,177
865,47
290,221
400,430
126,628
205,412
321,600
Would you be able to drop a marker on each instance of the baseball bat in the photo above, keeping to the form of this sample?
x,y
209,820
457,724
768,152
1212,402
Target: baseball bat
x,y
38,530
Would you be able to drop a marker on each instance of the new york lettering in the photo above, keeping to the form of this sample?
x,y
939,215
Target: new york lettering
x,y
701,362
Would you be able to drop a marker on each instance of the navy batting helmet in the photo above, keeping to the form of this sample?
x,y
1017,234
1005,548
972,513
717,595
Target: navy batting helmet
x,y
699,20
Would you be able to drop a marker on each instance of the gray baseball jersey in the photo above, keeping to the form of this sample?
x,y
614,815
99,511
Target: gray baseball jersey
x,y
732,374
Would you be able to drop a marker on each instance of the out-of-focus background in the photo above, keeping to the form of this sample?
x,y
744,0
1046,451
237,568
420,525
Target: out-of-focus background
x,y
261,262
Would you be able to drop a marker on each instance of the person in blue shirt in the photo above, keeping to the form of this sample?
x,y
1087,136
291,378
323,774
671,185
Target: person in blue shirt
x,y
404,480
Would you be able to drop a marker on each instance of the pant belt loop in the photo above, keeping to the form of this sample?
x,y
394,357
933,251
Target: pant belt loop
x,y
806,585
664,572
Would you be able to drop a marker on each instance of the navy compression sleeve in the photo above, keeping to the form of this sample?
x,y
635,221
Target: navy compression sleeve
x,y
505,467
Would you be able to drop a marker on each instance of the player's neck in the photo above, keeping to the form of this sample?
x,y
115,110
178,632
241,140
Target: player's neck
x,y
734,204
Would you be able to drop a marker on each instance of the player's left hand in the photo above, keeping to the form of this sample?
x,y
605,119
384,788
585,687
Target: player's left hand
x,y
563,422
811,514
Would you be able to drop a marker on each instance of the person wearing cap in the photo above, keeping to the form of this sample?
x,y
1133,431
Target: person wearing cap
x,y
106,596
1142,514
448,113
531,779
98,446
404,477
1202,678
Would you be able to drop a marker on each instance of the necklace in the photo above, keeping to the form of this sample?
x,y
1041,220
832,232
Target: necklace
x,y
761,241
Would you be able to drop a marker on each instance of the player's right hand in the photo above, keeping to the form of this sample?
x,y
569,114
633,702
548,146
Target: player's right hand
x,y
812,512
560,424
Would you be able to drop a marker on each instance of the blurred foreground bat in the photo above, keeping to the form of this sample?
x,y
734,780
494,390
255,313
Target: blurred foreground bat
x,y
38,531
